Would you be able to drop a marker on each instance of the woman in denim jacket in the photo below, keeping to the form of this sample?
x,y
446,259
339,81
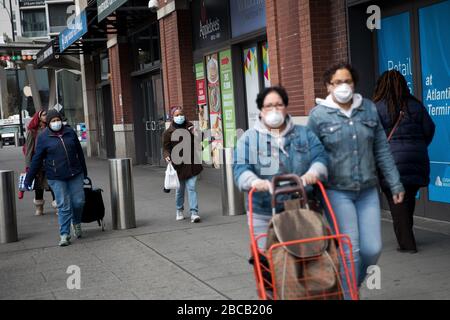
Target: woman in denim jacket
x,y
354,139
274,146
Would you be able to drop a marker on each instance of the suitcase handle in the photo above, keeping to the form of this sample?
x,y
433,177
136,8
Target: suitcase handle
x,y
290,189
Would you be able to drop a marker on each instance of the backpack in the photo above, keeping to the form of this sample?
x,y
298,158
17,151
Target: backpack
x,y
303,271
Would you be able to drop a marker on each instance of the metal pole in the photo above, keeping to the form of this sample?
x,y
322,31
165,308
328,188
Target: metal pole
x,y
232,198
122,194
8,220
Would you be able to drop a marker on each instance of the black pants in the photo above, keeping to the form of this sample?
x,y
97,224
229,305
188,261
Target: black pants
x,y
402,215
39,194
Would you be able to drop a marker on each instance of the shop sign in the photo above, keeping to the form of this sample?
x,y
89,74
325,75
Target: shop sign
x,y
227,90
106,7
247,16
210,22
31,3
74,32
435,60
45,55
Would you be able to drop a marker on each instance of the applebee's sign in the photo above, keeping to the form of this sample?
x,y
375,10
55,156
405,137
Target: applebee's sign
x,y
211,22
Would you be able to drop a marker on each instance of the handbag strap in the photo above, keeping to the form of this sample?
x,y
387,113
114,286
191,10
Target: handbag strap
x,y
400,117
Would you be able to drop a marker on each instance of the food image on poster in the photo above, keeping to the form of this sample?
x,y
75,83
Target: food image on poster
x,y
214,99
213,70
203,117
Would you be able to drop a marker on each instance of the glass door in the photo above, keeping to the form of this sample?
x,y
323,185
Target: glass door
x,y
154,115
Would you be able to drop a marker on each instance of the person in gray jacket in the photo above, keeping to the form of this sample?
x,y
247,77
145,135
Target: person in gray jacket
x,y
351,132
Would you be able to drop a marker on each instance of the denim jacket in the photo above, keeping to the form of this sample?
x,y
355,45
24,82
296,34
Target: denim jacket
x,y
259,155
356,145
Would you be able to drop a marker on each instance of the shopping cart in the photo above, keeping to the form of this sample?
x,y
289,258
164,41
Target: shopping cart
x,y
268,275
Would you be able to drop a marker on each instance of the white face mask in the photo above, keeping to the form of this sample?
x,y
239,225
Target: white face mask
x,y
343,93
56,126
274,119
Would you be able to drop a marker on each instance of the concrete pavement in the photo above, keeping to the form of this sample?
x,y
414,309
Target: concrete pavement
x,y
166,259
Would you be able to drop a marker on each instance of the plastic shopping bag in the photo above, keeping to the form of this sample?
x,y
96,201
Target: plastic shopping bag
x,y
171,181
22,182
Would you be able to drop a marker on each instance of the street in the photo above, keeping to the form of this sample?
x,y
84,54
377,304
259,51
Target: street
x,y
166,259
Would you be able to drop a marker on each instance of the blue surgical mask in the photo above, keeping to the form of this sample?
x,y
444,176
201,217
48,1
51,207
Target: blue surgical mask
x,y
179,120
56,126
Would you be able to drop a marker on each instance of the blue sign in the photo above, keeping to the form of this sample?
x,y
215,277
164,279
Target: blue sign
x,y
247,16
394,46
75,30
434,24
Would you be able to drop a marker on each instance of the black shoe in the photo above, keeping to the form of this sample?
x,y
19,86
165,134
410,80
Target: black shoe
x,y
412,251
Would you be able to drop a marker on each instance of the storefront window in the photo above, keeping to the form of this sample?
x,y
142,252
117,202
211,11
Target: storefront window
x,y
146,47
34,23
70,97
104,67
58,16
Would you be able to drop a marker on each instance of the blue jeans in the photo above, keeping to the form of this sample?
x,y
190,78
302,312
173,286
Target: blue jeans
x,y
358,216
69,196
191,185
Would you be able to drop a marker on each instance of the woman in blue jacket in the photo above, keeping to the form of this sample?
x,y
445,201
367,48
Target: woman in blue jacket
x,y
59,149
351,132
275,146
409,146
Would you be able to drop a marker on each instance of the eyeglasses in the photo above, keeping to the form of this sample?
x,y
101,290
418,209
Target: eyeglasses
x,y
273,106
339,82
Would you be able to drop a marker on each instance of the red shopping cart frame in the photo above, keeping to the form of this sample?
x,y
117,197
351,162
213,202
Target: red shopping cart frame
x,y
343,240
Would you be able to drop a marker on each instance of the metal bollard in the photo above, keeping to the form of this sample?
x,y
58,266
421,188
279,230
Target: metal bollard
x,y
232,198
122,194
8,220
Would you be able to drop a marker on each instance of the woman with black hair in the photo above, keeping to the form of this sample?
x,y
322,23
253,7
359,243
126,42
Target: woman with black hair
x,y
411,130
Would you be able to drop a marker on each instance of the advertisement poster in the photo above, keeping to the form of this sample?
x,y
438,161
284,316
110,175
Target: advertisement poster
x,y
265,61
228,111
394,49
251,73
215,107
435,57
394,46
203,114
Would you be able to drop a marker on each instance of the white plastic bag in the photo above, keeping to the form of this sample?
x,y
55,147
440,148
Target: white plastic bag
x,y
171,181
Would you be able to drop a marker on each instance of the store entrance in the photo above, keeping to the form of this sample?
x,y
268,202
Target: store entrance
x,y
154,115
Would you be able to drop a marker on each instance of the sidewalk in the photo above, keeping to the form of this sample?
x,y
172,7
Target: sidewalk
x,y
166,259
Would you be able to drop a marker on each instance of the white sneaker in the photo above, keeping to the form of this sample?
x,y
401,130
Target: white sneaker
x,y
77,230
195,217
180,215
65,240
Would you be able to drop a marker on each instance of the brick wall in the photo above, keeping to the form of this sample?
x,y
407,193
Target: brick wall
x,y
305,37
177,62
120,66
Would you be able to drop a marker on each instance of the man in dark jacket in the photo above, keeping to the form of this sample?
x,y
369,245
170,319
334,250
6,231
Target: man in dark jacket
x,y
411,129
187,165
59,149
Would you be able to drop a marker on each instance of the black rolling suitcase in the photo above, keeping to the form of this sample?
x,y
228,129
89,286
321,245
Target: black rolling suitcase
x,y
94,208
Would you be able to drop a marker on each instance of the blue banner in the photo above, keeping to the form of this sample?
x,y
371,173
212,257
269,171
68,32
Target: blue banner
x,y
247,16
394,46
75,30
434,26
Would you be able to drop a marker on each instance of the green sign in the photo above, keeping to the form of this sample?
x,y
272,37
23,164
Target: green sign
x,y
106,7
199,71
228,111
